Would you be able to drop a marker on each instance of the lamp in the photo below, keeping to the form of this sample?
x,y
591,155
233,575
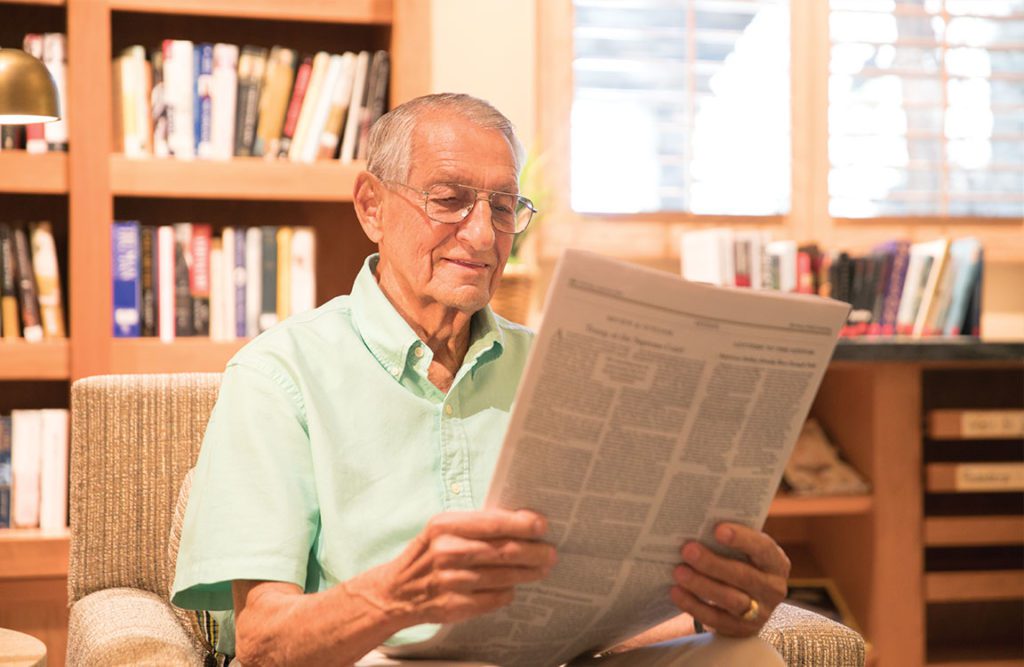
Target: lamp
x,y
27,91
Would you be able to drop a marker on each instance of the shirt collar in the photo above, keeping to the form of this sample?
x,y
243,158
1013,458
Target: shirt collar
x,y
393,342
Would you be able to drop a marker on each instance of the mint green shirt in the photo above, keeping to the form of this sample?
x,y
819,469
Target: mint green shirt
x,y
329,449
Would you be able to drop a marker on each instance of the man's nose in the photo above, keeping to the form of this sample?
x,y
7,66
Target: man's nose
x,y
476,228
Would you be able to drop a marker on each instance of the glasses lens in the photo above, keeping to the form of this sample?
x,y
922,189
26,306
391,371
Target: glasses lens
x,y
449,203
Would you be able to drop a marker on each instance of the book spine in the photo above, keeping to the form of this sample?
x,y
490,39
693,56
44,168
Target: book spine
x,y
355,109
251,65
55,58
32,328
158,106
44,261
254,279
53,483
199,279
291,119
314,97
203,100
284,273
894,287
376,98
126,263
227,300
303,272
165,282
274,100
268,309
331,135
178,93
240,281
216,290
318,119
8,284
5,471
35,134
26,465
224,100
183,325
147,280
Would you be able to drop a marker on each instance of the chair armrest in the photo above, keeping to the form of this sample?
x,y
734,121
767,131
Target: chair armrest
x,y
807,639
127,626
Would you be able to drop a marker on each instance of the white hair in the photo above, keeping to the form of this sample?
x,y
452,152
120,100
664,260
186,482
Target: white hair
x,y
390,140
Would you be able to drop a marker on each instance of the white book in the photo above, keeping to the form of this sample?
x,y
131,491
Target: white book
x,y
786,252
707,256
303,270
53,488
216,291
179,94
26,465
56,61
310,144
165,282
315,91
223,101
254,280
939,251
227,284
355,108
922,256
341,97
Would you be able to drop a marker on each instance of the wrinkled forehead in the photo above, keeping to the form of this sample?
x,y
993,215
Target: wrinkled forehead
x,y
449,137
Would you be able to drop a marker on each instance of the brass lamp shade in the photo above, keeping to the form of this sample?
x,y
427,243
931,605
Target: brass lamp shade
x,y
27,91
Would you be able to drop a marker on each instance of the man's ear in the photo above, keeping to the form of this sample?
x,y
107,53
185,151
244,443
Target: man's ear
x,y
367,200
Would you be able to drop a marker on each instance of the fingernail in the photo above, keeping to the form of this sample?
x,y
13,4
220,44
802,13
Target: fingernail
x,y
726,535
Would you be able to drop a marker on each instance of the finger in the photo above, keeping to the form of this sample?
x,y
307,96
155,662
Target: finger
x,y
763,551
460,606
485,579
768,588
488,524
453,551
722,621
711,591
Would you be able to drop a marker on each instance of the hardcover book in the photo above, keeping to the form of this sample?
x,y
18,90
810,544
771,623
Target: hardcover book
x,y
199,279
53,482
251,65
274,100
8,284
5,471
148,280
44,261
28,294
179,97
268,309
291,119
183,325
26,467
203,100
223,100
125,258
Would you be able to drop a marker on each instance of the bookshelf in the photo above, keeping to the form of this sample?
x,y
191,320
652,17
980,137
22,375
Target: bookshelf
x,y
45,174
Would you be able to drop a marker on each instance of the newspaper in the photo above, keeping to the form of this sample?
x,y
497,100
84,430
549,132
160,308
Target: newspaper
x,y
650,410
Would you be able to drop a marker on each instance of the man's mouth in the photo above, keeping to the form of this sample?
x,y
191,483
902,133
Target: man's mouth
x,y
469,264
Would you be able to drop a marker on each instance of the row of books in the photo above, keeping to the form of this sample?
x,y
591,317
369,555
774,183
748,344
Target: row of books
x,y
34,469
215,101
898,288
180,280
51,48
31,306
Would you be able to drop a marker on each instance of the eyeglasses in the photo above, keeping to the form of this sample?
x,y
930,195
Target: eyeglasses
x,y
451,203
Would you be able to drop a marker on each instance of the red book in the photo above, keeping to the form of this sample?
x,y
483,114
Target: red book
x,y
291,118
199,278
804,273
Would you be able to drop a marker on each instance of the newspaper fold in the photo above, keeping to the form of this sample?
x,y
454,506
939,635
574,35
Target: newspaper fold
x,y
650,410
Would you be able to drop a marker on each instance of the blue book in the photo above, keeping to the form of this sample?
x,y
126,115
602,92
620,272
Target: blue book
x,y
203,105
126,258
965,263
240,282
5,471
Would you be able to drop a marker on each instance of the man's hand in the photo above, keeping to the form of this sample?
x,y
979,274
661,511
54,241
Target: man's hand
x,y
461,565
717,591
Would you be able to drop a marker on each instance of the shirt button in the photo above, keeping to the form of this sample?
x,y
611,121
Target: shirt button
x,y
396,371
456,488
418,352
448,409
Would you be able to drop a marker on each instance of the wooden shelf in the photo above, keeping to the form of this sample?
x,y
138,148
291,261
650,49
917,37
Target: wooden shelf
x,y
46,360
52,3
238,178
30,552
978,655
949,531
150,355
974,586
796,506
25,173
322,11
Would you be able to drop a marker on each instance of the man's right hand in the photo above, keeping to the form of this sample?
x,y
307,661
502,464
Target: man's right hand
x,y
461,565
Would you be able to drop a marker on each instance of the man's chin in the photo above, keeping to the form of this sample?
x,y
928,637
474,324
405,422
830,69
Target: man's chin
x,y
466,300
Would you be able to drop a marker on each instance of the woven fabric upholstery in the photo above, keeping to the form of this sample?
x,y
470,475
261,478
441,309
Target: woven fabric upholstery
x,y
806,639
133,438
123,626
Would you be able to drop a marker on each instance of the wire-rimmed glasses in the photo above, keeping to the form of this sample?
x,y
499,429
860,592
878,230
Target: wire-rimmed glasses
x,y
451,203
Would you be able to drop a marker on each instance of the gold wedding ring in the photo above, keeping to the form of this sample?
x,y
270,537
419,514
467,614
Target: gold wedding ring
x,y
752,611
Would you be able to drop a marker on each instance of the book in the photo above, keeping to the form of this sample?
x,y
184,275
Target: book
x,y
55,59
965,254
199,278
350,138
273,105
216,291
340,98
158,105
309,147
165,288
291,119
26,466
376,98
939,251
5,471
284,273
251,64
179,97
148,281
918,267
223,100
900,253
785,251
976,424
229,326
303,270
53,482
268,306
8,284
28,294
35,134
183,325
203,99
708,256
140,83
254,280
44,262
317,77
239,281
125,260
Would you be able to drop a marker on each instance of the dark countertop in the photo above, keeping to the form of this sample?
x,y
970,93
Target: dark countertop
x,y
938,349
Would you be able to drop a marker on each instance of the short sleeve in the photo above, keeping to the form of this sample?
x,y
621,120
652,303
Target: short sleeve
x,y
253,511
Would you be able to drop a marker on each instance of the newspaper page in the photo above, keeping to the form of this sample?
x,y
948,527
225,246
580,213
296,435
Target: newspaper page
x,y
650,410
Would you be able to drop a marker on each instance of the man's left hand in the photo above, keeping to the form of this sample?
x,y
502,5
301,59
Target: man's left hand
x,y
730,596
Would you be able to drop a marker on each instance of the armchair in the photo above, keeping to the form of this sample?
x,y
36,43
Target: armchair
x,y
133,439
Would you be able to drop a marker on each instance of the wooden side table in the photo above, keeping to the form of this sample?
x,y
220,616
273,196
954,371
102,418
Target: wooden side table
x,y
20,650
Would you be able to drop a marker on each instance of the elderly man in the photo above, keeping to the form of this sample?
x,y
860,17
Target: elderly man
x,y
335,504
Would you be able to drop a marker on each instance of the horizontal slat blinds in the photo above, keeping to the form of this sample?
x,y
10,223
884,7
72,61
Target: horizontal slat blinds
x,y
926,108
681,105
